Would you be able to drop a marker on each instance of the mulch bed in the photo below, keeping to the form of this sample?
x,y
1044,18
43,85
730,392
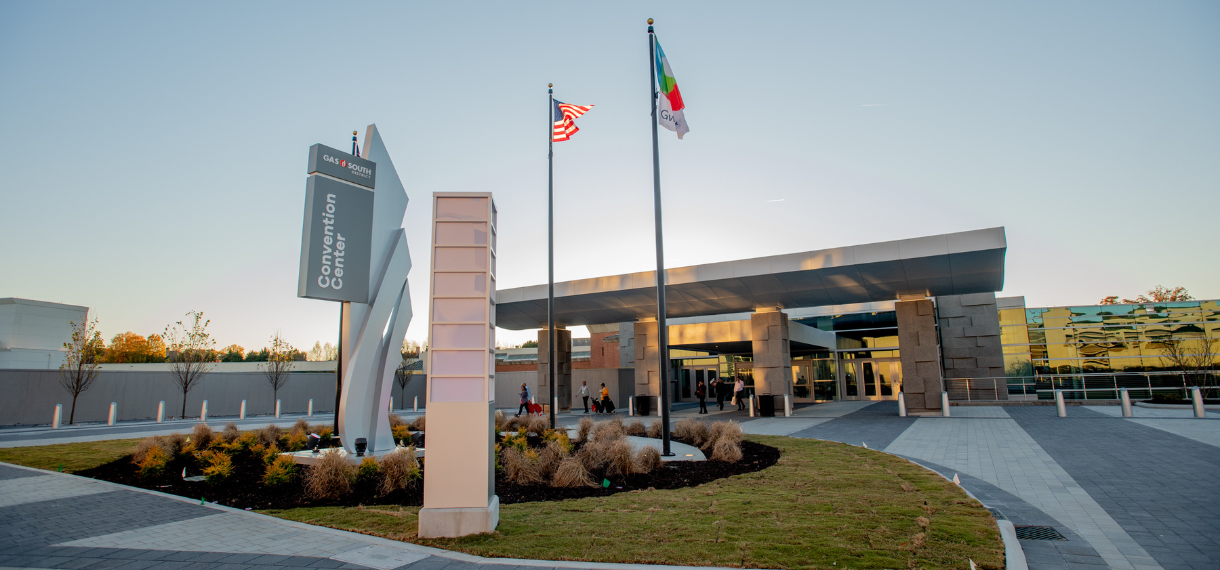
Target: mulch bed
x,y
244,488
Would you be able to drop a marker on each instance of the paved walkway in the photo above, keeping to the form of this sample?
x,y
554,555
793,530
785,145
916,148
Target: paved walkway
x,y
1131,493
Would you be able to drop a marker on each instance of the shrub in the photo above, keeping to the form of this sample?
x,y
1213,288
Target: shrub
x,y
559,437
269,435
727,450
572,473
170,446
654,429
368,469
636,429
295,441
499,417
270,454
325,433
1166,398
218,465
230,433
331,477
620,455
202,436
399,470
280,471
516,441
647,459
401,432
418,424
586,427
153,462
521,468
173,444
396,420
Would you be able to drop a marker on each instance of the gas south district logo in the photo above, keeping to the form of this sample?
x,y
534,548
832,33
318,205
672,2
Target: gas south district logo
x,y
356,169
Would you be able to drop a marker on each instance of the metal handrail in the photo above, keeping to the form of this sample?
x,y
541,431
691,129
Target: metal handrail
x,y
1074,386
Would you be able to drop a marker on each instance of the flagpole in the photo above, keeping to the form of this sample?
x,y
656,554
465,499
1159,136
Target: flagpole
x,y
550,247
662,328
339,355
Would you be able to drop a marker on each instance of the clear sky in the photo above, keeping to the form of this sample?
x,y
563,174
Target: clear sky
x,y
154,153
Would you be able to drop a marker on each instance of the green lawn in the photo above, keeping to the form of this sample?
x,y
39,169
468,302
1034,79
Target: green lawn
x,y
73,456
824,505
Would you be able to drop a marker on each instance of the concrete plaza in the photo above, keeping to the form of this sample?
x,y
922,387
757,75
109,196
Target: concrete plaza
x,y
1137,493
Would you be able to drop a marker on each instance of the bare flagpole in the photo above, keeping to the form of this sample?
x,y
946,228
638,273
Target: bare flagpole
x,y
339,357
550,248
662,328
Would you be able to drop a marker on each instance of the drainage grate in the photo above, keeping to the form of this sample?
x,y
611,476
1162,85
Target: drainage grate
x,y
1038,533
997,514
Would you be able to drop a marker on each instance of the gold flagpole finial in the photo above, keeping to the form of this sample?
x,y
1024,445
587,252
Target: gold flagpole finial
x,y
650,21
550,85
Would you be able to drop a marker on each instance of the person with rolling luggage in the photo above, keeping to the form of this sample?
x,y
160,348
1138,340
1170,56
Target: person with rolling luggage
x,y
739,393
607,404
701,393
525,401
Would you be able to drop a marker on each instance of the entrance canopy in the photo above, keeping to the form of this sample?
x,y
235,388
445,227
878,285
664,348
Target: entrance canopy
x,y
948,264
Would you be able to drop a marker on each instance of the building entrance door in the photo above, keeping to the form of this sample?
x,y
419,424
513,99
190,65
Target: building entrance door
x,y
877,379
691,376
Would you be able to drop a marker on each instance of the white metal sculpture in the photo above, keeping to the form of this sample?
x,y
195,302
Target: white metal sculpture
x,y
373,333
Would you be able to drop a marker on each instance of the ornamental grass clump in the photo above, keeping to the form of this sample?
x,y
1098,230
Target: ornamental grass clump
x,y
572,473
218,465
693,431
724,440
270,435
499,417
621,458
301,426
521,468
654,429
331,477
170,446
536,425
399,470
636,429
647,459
585,428
418,423
510,424
396,420
726,450
230,433
549,459
280,471
609,430
202,436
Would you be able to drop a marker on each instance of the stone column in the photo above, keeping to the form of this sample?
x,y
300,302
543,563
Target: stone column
x,y
920,359
647,360
563,368
772,356
970,331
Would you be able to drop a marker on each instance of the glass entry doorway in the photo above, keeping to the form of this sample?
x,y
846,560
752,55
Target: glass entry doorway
x,y
814,381
879,379
690,376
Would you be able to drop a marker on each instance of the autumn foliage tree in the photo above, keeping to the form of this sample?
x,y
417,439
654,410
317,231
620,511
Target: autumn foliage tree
x,y
130,347
79,369
1159,294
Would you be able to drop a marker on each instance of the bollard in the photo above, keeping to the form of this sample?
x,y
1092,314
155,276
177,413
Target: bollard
x,y
203,413
1126,398
787,405
555,404
1196,396
110,418
242,415
750,402
944,404
1059,405
416,408
59,411
902,405
391,403
277,408
161,411
631,406
310,412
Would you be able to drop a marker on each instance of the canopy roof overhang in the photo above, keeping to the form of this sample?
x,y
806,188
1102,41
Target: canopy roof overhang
x,y
947,264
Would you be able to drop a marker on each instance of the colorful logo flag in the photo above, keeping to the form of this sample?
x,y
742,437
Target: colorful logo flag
x,y
565,115
670,114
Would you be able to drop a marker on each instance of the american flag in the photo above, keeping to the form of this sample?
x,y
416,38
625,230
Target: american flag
x,y
565,127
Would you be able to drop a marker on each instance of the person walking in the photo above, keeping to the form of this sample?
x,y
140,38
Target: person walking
x,y
701,393
739,392
584,394
525,401
605,398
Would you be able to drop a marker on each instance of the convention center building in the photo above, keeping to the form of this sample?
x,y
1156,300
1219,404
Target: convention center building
x,y
917,316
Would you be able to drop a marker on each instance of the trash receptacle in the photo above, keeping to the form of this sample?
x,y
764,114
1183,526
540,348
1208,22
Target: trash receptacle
x,y
766,406
643,405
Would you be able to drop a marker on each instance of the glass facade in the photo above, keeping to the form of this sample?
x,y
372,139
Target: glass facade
x,y
1094,350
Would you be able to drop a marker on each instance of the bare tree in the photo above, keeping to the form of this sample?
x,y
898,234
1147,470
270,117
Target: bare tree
x,y
403,377
1192,357
191,350
280,361
79,369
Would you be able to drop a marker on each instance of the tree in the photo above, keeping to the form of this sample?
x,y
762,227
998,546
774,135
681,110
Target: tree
x,y
156,348
127,347
79,369
258,355
1159,294
322,352
410,349
280,360
232,353
530,344
403,377
1192,357
191,351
